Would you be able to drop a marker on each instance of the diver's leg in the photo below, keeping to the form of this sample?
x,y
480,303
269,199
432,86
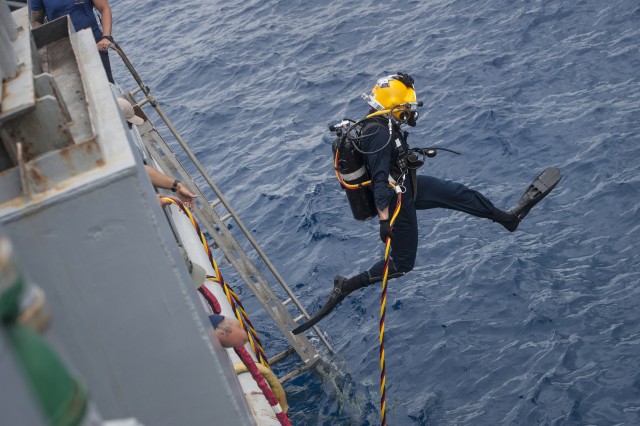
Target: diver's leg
x,y
404,245
439,193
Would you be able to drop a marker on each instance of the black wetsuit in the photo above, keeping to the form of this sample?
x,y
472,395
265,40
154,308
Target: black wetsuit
x,y
431,193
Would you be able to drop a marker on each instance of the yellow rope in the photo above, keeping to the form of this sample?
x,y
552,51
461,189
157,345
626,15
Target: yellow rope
x,y
383,308
232,297
271,378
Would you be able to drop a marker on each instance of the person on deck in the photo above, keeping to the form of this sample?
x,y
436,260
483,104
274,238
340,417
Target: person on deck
x,y
82,16
228,331
158,179
387,158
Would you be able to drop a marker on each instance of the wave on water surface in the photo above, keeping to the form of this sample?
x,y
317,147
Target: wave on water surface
x,y
537,327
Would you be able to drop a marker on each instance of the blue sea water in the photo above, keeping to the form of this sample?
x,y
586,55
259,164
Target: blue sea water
x,y
541,326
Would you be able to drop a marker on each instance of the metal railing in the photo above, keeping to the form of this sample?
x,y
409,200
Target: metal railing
x,y
216,227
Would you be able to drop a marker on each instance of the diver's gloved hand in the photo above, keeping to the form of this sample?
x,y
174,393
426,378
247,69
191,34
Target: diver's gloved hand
x,y
385,230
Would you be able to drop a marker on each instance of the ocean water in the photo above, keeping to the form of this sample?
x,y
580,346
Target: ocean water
x,y
541,326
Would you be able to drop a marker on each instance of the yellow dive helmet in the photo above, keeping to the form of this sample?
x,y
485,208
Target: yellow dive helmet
x,y
394,94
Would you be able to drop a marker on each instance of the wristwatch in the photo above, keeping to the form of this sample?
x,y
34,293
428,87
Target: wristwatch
x,y
108,37
174,188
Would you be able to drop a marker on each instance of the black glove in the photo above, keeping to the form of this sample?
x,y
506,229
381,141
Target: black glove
x,y
385,230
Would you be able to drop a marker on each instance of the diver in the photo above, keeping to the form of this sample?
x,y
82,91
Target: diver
x,y
390,165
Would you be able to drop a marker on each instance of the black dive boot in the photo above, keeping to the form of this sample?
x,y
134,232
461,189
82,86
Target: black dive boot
x,y
337,295
535,192
507,219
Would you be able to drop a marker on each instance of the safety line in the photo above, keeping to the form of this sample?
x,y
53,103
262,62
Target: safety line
x,y
248,362
383,309
263,385
232,297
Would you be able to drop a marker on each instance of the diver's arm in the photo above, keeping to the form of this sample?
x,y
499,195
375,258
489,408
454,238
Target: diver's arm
x,y
383,214
379,164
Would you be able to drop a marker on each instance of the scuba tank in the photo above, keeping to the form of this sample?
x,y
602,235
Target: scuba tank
x,y
353,174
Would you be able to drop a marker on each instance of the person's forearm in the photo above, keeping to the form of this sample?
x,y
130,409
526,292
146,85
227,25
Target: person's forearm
x,y
105,13
37,18
158,179
106,22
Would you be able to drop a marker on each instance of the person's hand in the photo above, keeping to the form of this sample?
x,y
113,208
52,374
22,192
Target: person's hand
x,y
163,200
103,45
186,196
385,230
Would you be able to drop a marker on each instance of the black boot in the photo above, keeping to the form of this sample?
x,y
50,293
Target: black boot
x,y
337,295
507,219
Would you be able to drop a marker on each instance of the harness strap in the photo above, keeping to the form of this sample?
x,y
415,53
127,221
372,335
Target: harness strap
x,y
354,175
414,183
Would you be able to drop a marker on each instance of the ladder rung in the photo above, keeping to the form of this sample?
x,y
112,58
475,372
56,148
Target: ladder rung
x,y
233,253
282,355
297,371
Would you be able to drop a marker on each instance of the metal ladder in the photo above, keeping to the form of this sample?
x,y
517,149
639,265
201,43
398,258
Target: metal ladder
x,y
216,226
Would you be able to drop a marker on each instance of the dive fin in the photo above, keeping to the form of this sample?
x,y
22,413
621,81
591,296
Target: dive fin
x,y
336,296
537,190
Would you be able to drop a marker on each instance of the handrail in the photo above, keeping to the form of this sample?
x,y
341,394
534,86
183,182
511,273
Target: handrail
x,y
152,100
